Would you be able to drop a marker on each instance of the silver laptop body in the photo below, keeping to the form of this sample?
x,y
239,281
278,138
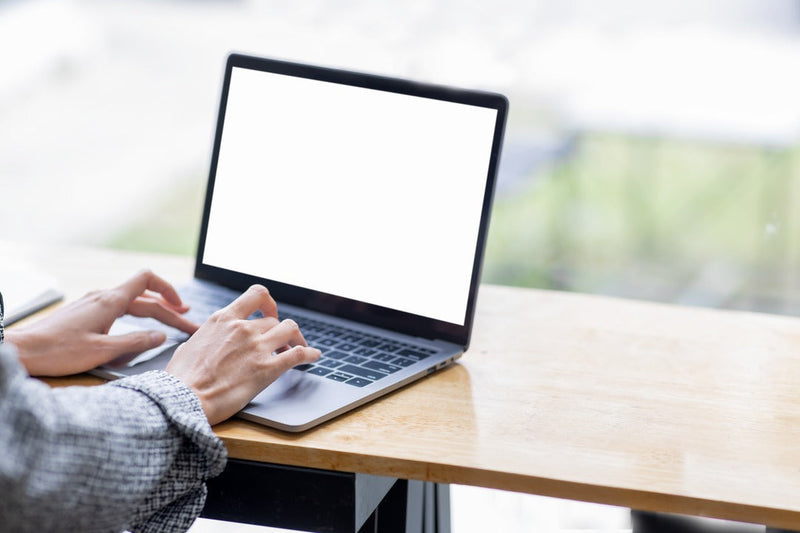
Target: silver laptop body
x,y
362,202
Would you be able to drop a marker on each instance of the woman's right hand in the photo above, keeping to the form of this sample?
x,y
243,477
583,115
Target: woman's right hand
x,y
231,359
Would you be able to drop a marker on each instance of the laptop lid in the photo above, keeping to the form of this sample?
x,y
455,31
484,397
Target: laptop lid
x,y
351,194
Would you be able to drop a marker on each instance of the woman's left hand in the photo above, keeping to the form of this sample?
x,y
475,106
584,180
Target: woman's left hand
x,y
75,338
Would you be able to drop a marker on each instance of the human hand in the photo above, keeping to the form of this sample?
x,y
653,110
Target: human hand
x,y
74,338
230,359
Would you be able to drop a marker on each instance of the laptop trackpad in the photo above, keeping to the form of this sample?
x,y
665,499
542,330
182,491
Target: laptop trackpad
x,y
291,403
290,386
296,399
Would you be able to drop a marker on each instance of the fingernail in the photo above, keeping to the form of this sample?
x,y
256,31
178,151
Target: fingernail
x,y
157,337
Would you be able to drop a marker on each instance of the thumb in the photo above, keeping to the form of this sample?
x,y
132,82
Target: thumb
x,y
135,342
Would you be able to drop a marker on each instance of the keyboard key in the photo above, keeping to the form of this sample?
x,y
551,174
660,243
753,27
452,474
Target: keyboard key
x,y
370,343
389,347
352,338
320,371
303,367
347,347
358,382
414,354
336,354
365,352
338,377
403,361
356,360
330,363
363,372
327,341
381,367
385,357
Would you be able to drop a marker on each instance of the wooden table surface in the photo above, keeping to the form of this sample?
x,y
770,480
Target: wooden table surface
x,y
628,403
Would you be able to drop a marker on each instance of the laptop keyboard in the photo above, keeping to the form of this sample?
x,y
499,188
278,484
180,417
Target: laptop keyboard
x,y
352,357
348,356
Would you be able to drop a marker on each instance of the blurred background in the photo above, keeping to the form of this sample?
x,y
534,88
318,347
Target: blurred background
x,y
652,150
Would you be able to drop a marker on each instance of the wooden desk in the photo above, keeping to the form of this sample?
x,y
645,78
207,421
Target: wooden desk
x,y
627,403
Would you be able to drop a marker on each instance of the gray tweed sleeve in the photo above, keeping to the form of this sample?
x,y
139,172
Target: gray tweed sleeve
x,y
129,455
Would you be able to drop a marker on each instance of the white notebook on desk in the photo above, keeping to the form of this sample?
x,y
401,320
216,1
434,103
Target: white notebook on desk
x,y
26,290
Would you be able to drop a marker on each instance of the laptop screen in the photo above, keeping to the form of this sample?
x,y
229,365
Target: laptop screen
x,y
352,191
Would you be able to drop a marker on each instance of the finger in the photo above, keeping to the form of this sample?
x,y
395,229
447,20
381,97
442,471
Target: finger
x,y
265,324
183,308
136,342
295,356
256,298
286,333
146,307
147,280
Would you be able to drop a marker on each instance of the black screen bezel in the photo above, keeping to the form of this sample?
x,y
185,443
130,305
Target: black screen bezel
x,y
403,322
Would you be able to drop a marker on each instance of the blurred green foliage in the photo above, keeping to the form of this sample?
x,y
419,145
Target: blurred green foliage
x,y
671,220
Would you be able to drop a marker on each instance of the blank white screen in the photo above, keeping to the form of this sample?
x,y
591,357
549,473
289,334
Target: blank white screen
x,y
365,194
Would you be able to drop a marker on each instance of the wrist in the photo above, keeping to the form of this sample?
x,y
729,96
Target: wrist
x,y
206,404
25,344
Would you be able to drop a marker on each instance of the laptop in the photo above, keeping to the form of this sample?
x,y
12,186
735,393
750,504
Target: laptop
x,y
362,203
